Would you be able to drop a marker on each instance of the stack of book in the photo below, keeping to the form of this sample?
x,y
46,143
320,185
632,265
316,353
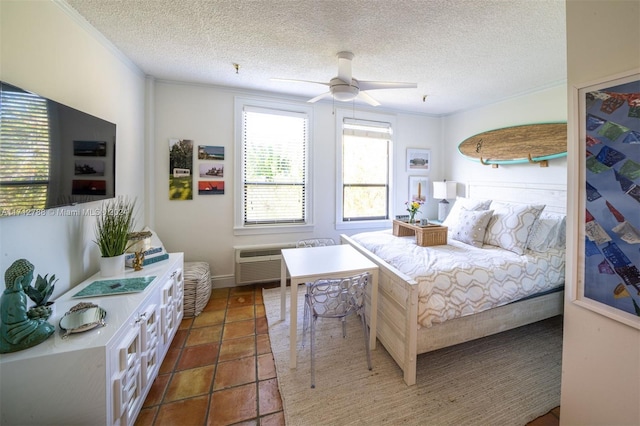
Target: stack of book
x,y
151,256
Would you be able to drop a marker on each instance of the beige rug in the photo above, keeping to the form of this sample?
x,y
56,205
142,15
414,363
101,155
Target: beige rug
x,y
506,379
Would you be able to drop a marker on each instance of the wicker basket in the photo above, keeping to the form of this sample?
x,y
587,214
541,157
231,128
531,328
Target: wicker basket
x,y
197,287
432,236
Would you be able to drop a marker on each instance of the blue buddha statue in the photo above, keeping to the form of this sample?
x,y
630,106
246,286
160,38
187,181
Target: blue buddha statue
x,y
17,330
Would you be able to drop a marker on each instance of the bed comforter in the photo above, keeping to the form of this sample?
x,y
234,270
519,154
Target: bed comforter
x,y
458,279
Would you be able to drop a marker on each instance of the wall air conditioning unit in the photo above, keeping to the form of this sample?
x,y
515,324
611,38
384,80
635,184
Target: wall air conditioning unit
x,y
259,264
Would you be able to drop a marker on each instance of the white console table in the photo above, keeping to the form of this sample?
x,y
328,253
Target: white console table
x,y
101,376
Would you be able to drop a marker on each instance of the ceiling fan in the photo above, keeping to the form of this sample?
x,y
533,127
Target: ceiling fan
x,y
346,88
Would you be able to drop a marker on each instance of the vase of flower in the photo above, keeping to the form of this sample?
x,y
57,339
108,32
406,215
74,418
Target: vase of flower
x,y
413,207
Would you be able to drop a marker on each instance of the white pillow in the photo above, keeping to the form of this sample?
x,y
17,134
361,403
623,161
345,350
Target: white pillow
x,y
470,226
467,204
548,232
511,224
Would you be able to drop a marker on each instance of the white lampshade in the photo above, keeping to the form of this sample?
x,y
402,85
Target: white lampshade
x,y
445,190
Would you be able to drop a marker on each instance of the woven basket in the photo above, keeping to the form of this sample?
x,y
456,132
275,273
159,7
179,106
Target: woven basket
x,y
197,287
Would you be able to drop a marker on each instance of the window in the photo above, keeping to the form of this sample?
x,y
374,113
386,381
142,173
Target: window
x,y
365,159
24,173
273,149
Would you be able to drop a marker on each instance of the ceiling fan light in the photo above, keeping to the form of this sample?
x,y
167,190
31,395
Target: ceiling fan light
x,y
344,93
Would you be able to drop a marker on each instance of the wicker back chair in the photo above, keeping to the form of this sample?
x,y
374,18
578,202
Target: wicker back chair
x,y
316,242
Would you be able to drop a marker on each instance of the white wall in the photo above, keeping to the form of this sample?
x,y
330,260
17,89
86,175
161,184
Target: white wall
x,y
601,357
44,50
203,227
546,106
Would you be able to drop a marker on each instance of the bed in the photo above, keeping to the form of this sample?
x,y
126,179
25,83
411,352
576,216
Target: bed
x,y
518,265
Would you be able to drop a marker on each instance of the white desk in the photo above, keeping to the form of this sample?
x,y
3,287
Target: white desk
x,y
312,263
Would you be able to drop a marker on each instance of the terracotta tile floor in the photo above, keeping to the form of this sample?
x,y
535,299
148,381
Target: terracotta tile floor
x,y
219,369
552,418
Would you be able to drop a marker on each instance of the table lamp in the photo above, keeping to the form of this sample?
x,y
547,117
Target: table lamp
x,y
444,190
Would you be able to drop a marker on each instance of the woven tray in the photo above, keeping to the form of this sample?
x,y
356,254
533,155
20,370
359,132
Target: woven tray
x,y
432,235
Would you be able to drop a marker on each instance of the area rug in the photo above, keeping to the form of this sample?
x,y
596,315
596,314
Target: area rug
x,y
509,378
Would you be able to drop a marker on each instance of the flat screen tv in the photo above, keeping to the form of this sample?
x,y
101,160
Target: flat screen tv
x,y
51,155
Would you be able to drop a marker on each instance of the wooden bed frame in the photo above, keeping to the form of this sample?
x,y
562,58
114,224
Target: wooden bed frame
x,y
397,327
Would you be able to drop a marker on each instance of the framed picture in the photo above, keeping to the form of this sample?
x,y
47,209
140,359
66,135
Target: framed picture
x,y
418,188
211,170
210,187
207,152
180,169
608,188
418,160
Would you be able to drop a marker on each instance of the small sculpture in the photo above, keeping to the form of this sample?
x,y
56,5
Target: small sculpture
x,y
138,261
17,330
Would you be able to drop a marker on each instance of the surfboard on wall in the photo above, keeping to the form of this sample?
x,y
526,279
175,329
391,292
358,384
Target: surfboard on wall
x,y
529,143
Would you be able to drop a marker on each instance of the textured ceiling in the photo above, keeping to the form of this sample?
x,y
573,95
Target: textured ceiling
x,y
461,53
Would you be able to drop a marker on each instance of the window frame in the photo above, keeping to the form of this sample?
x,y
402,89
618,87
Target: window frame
x,y
292,107
340,115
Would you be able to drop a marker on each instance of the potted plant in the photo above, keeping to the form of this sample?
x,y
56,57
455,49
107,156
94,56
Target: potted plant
x,y
40,294
114,223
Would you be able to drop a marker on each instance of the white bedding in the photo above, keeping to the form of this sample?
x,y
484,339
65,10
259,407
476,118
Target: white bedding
x,y
458,279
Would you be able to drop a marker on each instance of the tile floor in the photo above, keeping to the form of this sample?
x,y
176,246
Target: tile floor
x,y
552,418
219,369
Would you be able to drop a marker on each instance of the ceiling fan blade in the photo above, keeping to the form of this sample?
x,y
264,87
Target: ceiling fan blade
x,y
289,80
368,99
344,66
317,98
373,85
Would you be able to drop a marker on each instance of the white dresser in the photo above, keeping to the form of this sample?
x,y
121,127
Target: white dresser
x,y
101,376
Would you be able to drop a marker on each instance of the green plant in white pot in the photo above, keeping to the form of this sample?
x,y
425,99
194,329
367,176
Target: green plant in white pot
x,y
114,223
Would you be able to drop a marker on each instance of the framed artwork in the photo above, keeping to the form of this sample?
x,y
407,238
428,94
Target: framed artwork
x,y
180,169
211,170
208,187
608,161
418,188
418,160
208,152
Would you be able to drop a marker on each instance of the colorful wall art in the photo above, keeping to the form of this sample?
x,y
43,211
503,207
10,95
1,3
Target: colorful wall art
x,y
209,152
610,161
180,169
210,187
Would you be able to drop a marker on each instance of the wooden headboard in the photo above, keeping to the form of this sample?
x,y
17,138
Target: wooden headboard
x,y
554,196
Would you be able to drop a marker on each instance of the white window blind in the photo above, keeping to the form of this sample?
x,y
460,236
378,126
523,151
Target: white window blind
x,y
24,146
274,166
365,170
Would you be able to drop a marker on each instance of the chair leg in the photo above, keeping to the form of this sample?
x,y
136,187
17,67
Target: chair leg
x,y
313,353
305,319
365,329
